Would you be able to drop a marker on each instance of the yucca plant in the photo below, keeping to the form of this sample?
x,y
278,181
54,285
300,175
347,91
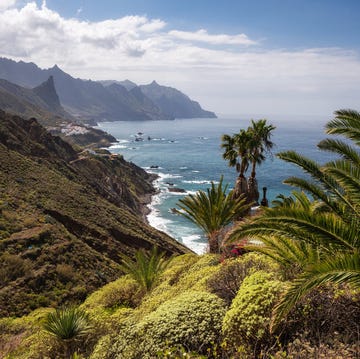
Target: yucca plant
x,y
68,325
212,211
146,267
320,236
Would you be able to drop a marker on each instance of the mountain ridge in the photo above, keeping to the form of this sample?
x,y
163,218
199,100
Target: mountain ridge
x,y
92,101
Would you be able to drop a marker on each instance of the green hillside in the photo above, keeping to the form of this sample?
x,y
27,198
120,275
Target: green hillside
x,y
65,218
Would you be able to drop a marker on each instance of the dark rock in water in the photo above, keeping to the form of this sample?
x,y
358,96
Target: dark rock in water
x,y
264,201
154,166
169,183
178,190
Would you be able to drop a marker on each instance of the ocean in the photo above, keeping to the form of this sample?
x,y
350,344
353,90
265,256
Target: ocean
x,y
186,154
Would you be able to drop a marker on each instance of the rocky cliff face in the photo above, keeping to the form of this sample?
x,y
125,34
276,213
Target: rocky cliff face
x,y
46,91
65,218
174,103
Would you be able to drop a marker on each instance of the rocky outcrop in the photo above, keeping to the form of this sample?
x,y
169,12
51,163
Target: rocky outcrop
x,y
46,91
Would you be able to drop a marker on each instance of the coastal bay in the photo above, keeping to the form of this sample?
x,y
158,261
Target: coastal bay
x,y
186,156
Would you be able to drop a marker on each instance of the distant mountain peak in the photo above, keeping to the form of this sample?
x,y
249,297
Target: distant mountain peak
x,y
154,83
47,92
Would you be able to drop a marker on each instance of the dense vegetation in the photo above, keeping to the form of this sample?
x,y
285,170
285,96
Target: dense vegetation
x,y
298,298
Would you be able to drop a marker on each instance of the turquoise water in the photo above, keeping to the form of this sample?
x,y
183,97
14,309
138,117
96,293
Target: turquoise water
x,y
186,154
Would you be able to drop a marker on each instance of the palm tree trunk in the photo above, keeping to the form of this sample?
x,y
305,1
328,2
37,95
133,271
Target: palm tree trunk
x,y
253,191
214,246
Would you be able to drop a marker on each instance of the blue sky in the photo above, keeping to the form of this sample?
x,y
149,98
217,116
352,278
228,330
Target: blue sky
x,y
288,23
238,56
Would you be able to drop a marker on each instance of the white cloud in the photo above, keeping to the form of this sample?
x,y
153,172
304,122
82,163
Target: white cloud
x,y
230,79
5,4
218,39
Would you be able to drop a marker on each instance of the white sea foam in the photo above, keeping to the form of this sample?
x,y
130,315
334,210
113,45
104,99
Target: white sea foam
x,y
152,169
191,192
116,146
156,221
168,175
200,182
177,193
195,242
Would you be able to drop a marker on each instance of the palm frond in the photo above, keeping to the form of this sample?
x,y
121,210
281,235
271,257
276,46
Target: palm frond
x,y
336,268
346,123
146,267
345,150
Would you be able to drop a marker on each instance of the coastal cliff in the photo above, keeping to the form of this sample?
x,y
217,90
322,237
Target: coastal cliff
x,y
65,218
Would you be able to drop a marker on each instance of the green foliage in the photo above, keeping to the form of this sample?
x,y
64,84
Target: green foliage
x,y
12,267
212,211
226,282
318,238
193,320
67,323
146,268
193,276
247,322
124,292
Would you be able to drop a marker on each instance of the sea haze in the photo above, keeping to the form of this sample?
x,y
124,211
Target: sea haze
x,y
186,154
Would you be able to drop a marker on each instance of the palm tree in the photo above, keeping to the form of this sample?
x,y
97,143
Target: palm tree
x,y
236,152
212,211
322,236
260,144
146,268
68,325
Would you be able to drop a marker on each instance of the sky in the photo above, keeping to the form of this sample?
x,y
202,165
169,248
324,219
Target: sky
x,y
296,57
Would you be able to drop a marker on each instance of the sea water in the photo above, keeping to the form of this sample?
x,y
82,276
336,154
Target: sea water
x,y
186,154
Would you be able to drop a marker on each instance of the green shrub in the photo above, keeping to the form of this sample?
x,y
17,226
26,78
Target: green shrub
x,y
68,326
226,282
12,267
192,320
171,283
247,321
123,292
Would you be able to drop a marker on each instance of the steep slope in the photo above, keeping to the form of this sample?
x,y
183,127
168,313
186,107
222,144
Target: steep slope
x,y
137,100
28,102
46,91
65,218
174,103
